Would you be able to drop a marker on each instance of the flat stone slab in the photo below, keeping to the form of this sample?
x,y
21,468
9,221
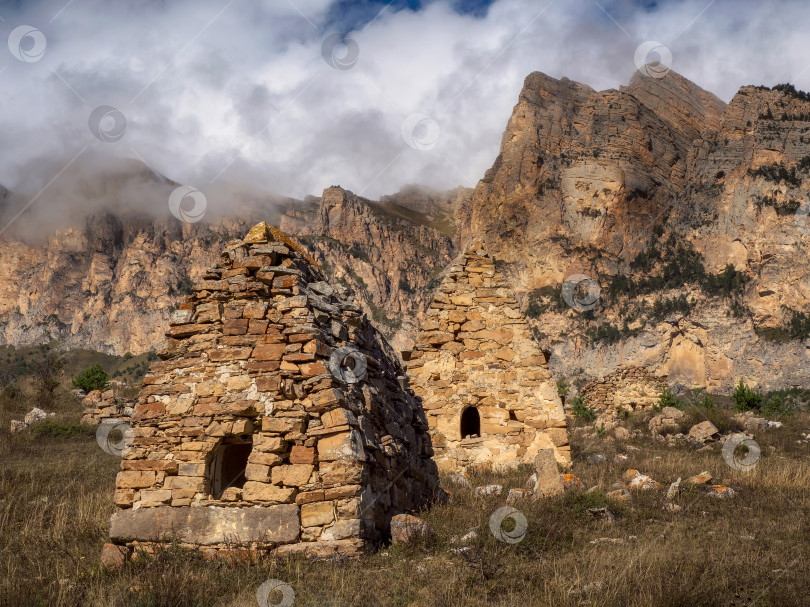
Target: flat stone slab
x,y
206,526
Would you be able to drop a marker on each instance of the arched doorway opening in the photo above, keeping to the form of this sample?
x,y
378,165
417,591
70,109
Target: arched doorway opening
x,y
470,422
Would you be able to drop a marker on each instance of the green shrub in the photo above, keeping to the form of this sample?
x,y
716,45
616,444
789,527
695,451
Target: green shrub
x,y
54,429
776,405
799,325
667,399
706,401
605,333
675,305
92,378
581,410
562,388
12,392
745,398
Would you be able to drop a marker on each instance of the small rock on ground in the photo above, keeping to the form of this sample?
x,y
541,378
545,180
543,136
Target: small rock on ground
x,y
406,528
721,492
489,490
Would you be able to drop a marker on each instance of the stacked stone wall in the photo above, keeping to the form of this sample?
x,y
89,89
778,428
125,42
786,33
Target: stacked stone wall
x,y
631,388
475,350
268,355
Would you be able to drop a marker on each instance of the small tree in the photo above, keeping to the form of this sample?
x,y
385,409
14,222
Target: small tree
x,y
47,371
581,410
746,398
92,378
667,399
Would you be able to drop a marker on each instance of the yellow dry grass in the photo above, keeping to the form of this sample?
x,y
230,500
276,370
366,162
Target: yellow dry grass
x,y
749,550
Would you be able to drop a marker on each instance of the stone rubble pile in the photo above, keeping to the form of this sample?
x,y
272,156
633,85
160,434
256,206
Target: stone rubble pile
x,y
105,406
34,416
278,420
631,388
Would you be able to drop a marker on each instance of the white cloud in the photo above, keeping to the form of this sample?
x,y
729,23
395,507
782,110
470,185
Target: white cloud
x,y
242,94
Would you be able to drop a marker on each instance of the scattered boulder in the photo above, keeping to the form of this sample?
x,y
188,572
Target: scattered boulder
x,y
36,415
704,478
644,482
621,458
673,490
636,480
750,422
461,478
602,513
405,528
595,458
620,495
113,556
517,494
547,478
466,538
571,481
667,420
721,492
532,481
487,490
621,433
703,431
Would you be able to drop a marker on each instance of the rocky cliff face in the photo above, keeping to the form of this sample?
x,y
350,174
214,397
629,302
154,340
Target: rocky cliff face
x,y
683,212
687,216
390,254
107,281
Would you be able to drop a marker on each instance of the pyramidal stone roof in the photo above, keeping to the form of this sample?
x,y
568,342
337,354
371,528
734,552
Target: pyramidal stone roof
x,y
278,420
484,382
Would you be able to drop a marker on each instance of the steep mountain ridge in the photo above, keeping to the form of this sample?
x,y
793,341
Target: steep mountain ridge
x,y
596,183
688,214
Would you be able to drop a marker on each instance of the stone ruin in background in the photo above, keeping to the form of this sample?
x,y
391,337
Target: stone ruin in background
x,y
631,388
278,420
484,382
105,407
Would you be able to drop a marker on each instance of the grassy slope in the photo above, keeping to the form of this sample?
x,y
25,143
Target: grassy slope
x,y
19,360
752,549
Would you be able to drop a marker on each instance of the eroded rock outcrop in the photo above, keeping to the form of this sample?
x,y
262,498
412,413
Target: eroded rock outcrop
x,y
654,191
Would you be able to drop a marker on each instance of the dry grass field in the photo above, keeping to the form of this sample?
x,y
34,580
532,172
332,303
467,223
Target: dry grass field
x,y
754,549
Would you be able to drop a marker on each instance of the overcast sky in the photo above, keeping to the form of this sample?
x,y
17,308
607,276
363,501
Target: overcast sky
x,y
265,93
